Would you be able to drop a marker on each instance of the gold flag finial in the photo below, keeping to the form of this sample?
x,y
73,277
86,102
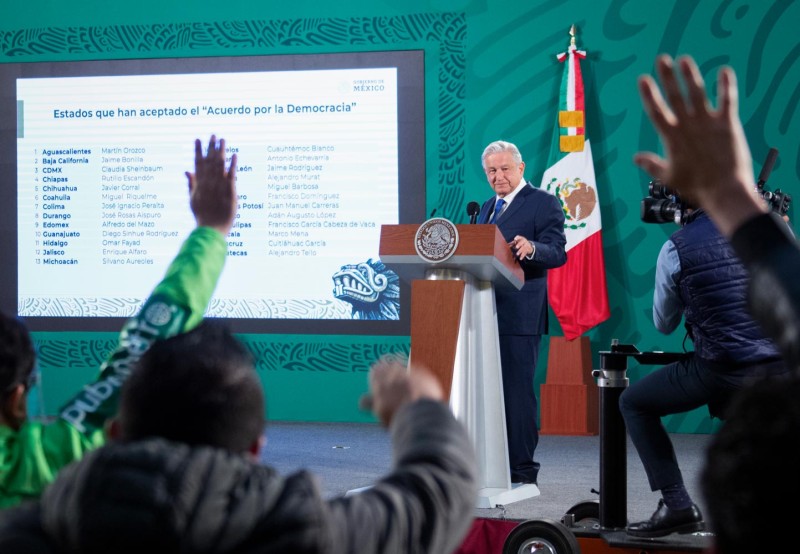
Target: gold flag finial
x,y
572,35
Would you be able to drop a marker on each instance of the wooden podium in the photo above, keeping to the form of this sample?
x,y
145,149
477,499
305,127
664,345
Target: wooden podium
x,y
454,334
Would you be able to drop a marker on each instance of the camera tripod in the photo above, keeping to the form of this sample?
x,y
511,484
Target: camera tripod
x,y
598,526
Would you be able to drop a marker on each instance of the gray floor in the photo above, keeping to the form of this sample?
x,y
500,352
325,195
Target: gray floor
x,y
347,456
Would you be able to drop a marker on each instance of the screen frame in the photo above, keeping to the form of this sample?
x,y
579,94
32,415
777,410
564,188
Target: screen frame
x,y
411,168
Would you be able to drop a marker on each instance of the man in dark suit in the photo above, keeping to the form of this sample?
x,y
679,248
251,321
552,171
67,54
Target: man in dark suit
x,y
532,223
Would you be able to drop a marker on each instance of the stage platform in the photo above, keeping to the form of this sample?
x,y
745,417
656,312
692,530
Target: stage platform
x,y
347,456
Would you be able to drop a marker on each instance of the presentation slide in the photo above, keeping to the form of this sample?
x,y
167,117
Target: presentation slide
x,y
102,199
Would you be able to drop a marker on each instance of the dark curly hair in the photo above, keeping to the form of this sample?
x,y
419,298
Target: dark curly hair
x,y
198,388
17,354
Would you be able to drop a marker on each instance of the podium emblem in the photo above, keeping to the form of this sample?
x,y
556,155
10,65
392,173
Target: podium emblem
x,y
436,240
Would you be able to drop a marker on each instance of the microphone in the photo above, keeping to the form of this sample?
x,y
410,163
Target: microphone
x,y
473,209
766,169
433,213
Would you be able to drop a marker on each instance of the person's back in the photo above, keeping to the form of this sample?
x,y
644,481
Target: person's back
x,y
713,290
699,280
146,491
183,473
750,480
32,453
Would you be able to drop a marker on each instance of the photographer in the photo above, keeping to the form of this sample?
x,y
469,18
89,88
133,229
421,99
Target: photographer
x,y
698,279
750,473
707,155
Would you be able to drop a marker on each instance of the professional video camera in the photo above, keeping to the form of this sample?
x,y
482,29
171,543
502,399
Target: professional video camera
x,y
663,205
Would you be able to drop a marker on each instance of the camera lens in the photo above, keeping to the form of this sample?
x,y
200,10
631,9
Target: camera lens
x,y
659,210
658,189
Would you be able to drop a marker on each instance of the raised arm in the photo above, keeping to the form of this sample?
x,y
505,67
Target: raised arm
x,y
176,304
392,386
180,299
425,503
707,159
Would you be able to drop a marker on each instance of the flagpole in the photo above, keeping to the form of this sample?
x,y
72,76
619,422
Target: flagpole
x,y
577,290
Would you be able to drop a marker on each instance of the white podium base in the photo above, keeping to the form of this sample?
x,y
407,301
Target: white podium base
x,y
491,498
476,396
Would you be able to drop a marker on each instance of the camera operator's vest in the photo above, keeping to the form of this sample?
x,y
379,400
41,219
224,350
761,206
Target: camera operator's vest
x,y
713,288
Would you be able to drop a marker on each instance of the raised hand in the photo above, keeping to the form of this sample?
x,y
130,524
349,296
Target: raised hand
x,y
212,189
707,159
392,386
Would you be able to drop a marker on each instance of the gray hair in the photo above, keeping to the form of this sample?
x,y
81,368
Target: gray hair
x,y
501,146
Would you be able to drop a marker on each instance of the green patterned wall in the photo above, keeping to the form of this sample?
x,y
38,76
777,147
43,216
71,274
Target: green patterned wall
x,y
490,73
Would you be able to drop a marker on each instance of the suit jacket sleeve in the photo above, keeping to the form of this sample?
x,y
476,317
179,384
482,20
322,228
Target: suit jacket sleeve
x,y
537,216
549,239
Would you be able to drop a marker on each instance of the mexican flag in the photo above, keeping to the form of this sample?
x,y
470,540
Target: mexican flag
x,y
577,290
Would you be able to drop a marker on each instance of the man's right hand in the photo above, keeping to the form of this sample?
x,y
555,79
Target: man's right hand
x,y
212,189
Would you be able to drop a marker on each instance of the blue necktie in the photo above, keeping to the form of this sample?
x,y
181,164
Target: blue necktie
x,y
498,207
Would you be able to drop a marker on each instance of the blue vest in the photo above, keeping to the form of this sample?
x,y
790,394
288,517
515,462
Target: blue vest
x,y
713,288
